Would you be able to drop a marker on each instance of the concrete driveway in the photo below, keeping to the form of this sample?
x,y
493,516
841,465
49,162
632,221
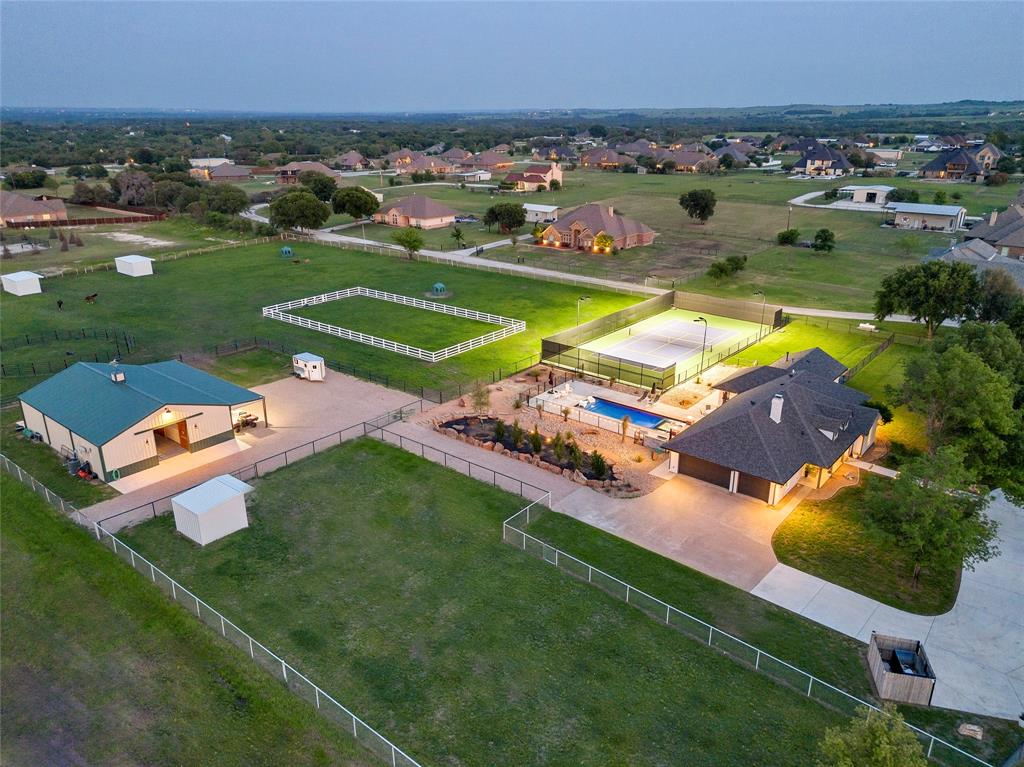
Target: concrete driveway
x,y
727,536
976,649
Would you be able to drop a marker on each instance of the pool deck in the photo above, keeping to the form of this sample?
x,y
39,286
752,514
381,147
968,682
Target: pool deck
x,y
581,390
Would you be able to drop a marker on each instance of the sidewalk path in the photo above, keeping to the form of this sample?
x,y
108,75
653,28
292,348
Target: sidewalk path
x,y
976,649
874,468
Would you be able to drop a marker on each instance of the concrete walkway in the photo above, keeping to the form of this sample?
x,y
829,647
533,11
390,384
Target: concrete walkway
x,y
976,649
874,468
801,201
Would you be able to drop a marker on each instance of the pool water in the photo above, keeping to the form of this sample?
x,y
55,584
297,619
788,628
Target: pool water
x,y
615,410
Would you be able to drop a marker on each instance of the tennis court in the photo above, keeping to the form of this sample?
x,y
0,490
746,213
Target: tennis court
x,y
673,337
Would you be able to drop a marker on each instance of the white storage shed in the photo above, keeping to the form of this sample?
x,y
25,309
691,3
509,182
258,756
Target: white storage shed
x,y
211,510
134,266
309,366
22,283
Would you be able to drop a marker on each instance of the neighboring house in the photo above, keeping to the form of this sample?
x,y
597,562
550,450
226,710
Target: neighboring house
x,y
501,148
556,153
289,174
821,160
935,218
867,195
579,228
982,256
926,145
229,173
207,162
739,157
1003,231
745,147
985,156
434,149
953,165
779,424
535,177
401,157
350,161
887,155
698,146
16,209
488,160
636,148
423,164
685,160
456,154
784,143
605,159
541,214
122,419
416,211
802,145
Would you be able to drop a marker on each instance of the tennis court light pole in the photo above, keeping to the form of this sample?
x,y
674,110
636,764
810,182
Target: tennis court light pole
x,y
703,346
580,300
764,298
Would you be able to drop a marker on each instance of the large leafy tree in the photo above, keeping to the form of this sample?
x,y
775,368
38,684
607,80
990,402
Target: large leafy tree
x,y
319,184
824,240
932,292
1000,295
872,739
354,201
699,204
225,198
931,513
134,187
299,208
509,216
964,403
411,240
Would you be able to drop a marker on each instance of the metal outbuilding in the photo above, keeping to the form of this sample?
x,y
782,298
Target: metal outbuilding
x,y
22,283
134,266
212,510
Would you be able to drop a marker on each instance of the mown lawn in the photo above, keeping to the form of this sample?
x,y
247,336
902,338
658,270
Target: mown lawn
x,y
215,298
250,368
100,668
847,347
44,463
833,540
384,576
836,658
435,239
397,322
878,378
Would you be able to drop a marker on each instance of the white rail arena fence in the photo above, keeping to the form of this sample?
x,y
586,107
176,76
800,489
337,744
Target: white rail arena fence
x,y
509,326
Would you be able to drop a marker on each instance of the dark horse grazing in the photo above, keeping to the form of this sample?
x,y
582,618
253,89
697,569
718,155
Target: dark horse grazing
x,y
91,299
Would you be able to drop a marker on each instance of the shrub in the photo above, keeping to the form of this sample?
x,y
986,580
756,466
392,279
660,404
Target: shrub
x,y
500,430
575,454
904,195
558,447
883,410
788,237
517,433
996,179
824,240
481,398
831,194
598,465
536,441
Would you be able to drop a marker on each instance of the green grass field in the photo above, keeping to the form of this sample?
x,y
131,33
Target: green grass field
x,y
249,368
396,322
215,298
384,576
876,379
100,668
847,347
832,539
828,655
434,239
107,241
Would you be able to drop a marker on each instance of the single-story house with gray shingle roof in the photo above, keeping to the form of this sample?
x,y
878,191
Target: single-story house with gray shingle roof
x,y
786,424
982,256
814,361
122,419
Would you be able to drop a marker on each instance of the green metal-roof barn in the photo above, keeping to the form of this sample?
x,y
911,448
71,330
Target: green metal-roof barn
x,y
122,419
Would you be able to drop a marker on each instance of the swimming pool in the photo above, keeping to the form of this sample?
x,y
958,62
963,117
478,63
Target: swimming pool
x,y
615,410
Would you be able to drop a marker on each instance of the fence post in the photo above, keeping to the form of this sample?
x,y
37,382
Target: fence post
x,y
810,684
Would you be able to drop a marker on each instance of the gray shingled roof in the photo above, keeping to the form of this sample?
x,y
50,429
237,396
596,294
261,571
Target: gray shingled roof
x,y
957,156
742,436
812,360
819,152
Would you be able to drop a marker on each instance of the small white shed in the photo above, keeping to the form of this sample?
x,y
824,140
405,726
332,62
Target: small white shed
x,y
22,283
309,366
134,266
211,510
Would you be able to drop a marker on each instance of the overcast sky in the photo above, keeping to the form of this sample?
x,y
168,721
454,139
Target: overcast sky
x,y
431,56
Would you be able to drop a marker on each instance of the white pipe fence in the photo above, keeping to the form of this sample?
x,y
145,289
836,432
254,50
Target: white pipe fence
x,y
509,325
513,533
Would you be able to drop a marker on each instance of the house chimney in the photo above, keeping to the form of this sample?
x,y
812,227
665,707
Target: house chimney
x,y
776,411
611,210
992,218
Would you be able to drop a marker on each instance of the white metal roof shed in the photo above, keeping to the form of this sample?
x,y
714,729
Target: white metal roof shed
x,y
134,266
212,510
22,283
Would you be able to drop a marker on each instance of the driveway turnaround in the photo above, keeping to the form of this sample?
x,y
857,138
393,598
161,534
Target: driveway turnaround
x,y
976,649
725,535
